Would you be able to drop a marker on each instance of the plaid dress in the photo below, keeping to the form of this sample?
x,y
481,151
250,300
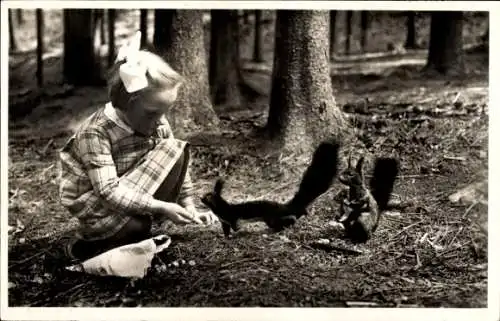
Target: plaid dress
x,y
108,174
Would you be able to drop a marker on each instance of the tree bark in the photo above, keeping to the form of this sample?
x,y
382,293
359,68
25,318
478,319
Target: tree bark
x,y
333,20
179,38
81,66
20,17
111,36
445,46
246,16
163,21
224,66
39,47
144,27
257,45
103,22
302,107
411,42
348,21
364,29
12,38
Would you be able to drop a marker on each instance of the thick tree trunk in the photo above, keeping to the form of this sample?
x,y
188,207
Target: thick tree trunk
x,y
411,41
39,47
111,36
302,107
224,66
12,38
180,39
364,29
333,20
257,45
144,27
80,65
348,22
445,46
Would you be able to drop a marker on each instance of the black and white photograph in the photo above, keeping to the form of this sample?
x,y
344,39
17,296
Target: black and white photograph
x,y
237,155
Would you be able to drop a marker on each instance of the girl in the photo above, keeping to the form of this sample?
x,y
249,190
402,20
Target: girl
x,y
123,168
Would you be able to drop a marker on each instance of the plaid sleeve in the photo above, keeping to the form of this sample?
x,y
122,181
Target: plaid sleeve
x,y
94,149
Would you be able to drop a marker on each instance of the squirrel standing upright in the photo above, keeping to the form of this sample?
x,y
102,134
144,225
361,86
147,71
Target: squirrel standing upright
x,y
360,206
316,180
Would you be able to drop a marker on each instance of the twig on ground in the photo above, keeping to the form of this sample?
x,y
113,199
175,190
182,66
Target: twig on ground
x,y
404,230
223,266
469,209
458,158
29,258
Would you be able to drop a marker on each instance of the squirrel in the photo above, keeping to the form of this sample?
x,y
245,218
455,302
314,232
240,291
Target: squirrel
x,y
361,206
316,180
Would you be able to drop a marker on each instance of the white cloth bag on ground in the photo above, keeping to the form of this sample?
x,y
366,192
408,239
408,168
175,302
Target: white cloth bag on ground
x,y
130,261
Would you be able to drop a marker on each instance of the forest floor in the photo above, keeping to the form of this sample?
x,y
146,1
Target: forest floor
x,y
432,253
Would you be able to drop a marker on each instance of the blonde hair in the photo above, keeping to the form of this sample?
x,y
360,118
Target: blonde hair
x,y
160,75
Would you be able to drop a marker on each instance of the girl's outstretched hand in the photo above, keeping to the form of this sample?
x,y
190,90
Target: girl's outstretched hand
x,y
175,213
207,216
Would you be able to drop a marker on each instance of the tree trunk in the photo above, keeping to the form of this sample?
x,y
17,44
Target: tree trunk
x,y
224,58
144,27
348,21
12,38
411,42
163,21
364,29
103,23
333,20
111,36
20,17
445,46
257,45
39,47
179,38
302,107
246,16
80,67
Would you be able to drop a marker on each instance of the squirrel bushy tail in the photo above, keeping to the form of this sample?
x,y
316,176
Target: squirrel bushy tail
x,y
382,182
318,176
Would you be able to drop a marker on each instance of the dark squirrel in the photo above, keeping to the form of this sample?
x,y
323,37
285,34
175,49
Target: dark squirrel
x,y
316,180
361,206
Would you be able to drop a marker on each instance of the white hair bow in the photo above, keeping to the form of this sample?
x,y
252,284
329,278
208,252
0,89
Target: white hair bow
x,y
132,74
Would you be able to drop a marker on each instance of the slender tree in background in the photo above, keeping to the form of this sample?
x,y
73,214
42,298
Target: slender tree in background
x,y
302,107
257,45
162,23
246,16
98,23
224,68
12,38
103,23
364,29
144,27
411,41
333,39
445,46
111,36
81,66
348,21
179,37
20,17
39,47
